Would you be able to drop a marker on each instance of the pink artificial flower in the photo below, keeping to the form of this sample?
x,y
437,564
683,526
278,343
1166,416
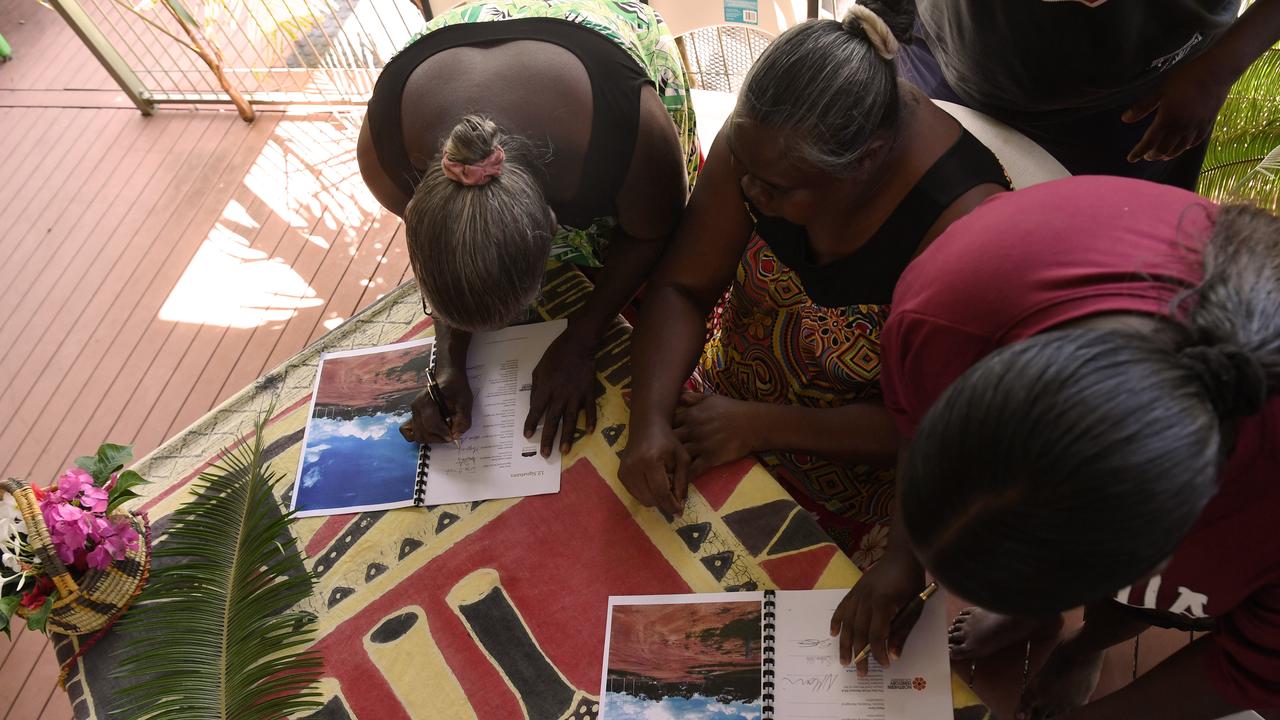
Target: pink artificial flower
x,y
111,482
72,482
99,558
94,499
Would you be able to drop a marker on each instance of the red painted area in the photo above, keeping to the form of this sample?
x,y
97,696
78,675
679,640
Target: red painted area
x,y
718,483
558,557
800,571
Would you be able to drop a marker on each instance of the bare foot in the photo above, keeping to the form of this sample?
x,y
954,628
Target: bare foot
x,y
1065,682
977,633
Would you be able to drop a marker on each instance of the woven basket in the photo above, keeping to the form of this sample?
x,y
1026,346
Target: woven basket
x,y
99,597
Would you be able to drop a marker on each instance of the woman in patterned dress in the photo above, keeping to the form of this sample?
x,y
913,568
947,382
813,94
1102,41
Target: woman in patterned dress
x,y
828,178
516,131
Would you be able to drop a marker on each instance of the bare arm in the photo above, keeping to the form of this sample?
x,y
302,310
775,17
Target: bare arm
x,y
649,205
1187,102
1177,689
384,190
694,273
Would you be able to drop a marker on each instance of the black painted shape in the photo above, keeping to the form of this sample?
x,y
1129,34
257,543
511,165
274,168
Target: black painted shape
x,y
973,712
338,595
407,546
613,433
394,628
445,520
339,547
694,535
756,526
588,709
748,586
800,533
280,444
373,570
498,628
718,563
332,710
476,504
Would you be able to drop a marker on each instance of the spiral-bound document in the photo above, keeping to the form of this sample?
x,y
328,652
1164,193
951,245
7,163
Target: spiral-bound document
x,y
354,458
762,656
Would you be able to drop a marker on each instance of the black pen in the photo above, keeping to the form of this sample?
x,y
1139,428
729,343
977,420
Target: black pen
x,y
906,611
433,389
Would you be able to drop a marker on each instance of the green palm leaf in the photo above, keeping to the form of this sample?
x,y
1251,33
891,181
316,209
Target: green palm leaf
x,y
1243,158
212,635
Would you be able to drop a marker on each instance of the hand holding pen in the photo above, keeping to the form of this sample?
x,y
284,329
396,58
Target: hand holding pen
x,y
905,613
441,412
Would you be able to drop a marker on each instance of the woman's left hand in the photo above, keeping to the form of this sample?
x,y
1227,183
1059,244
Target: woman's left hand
x,y
564,384
715,429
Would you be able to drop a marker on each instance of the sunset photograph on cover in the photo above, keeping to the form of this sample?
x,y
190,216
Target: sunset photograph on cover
x,y
694,661
354,453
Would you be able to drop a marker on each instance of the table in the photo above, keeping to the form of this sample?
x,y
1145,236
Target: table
x,y
492,609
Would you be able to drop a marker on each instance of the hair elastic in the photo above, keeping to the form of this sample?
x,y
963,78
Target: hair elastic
x,y
478,174
876,30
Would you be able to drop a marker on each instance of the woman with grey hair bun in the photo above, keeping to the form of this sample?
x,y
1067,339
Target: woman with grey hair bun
x,y
511,132
830,176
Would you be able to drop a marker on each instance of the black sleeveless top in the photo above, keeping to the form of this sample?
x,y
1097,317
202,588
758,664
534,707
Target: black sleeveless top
x,y
868,276
615,78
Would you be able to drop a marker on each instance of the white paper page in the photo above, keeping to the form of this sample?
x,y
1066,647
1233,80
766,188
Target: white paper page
x,y
495,460
811,683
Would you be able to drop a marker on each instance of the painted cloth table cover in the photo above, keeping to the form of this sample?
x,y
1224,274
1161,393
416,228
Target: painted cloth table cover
x,y
492,609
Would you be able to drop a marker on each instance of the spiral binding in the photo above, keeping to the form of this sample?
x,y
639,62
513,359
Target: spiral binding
x,y
424,454
767,673
420,483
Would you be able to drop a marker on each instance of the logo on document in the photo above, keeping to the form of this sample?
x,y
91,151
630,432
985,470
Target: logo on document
x,y
918,684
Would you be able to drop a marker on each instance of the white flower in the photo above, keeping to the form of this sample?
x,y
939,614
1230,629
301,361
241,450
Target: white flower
x,y
11,562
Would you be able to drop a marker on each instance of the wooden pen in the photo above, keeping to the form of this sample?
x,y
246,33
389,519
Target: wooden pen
x,y
898,618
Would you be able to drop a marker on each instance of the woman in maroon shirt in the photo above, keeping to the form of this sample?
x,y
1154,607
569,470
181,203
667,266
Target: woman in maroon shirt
x,y
1085,372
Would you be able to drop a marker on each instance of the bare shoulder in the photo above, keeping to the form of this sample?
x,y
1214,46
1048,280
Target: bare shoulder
x,y
386,192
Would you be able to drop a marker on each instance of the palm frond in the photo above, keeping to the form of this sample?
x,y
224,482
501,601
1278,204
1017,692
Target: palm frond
x,y
212,635
1240,164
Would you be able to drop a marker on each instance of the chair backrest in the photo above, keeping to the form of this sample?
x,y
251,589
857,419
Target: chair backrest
x,y
1026,162
769,16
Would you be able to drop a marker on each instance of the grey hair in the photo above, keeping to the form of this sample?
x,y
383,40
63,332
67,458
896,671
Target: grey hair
x,y
479,252
829,85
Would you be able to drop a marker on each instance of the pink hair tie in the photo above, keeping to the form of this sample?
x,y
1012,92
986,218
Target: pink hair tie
x,y
480,173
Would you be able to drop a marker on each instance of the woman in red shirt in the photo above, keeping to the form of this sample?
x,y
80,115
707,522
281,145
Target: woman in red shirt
x,y
1085,372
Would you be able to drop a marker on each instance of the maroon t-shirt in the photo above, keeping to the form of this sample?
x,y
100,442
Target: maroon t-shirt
x,y
1028,261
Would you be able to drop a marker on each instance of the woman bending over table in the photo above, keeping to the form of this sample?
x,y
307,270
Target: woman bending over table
x,y
829,177
1087,372
512,132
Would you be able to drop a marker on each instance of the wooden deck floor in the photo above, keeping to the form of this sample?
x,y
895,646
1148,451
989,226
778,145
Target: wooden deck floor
x,y
154,266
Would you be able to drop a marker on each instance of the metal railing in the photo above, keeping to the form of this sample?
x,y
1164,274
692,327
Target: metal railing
x,y
243,51
326,52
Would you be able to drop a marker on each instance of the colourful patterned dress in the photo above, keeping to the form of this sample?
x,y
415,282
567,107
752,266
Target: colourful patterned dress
x,y
638,29
772,341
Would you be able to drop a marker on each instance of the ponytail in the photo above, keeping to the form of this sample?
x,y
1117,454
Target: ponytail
x,y
1234,322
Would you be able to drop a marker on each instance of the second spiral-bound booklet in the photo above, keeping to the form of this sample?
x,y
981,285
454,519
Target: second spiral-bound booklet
x,y
761,656
354,458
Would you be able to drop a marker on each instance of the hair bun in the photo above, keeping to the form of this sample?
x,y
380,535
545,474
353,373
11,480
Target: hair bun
x,y
1234,380
861,19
